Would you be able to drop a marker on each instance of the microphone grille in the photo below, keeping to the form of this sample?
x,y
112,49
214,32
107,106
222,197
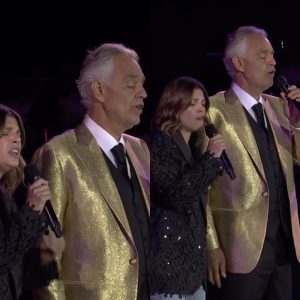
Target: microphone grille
x,y
31,173
210,130
281,83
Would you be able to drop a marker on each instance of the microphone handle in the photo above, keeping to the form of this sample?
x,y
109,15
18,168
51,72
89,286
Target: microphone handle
x,y
227,165
52,219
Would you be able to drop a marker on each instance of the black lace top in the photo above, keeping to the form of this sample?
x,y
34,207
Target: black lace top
x,y
177,258
19,230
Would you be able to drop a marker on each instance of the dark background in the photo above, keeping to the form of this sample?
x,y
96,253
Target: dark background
x,y
43,45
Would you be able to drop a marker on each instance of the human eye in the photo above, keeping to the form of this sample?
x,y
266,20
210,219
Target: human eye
x,y
131,84
193,102
263,55
3,133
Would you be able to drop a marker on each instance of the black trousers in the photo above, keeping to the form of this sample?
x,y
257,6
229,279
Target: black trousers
x,y
271,279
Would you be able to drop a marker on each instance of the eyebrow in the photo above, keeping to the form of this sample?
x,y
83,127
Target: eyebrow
x,y
135,77
200,100
10,129
266,51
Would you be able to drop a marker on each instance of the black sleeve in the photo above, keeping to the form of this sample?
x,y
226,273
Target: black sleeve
x,y
18,236
174,179
35,273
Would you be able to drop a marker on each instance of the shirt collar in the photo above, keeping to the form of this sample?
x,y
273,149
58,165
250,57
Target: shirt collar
x,y
246,99
104,139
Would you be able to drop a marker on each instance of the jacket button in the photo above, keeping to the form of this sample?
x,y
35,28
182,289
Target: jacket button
x,y
265,194
132,261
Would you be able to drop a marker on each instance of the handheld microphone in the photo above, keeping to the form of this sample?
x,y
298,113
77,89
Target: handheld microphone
x,y
211,131
31,175
281,83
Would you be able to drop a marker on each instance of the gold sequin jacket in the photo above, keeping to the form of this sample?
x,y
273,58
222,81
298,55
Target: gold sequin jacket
x,y
238,209
100,260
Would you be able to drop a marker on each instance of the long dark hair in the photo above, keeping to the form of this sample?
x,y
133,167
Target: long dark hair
x,y
10,180
175,99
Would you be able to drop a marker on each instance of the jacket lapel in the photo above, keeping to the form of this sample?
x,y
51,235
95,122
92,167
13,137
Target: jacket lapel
x,y
235,112
91,156
141,173
282,139
183,148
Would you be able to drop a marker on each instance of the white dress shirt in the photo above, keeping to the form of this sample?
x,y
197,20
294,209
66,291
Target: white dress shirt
x,y
105,140
248,101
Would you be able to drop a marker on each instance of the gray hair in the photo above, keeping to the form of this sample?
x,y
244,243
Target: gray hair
x,y
236,45
98,65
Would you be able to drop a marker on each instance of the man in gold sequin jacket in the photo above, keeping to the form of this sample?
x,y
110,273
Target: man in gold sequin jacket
x,y
253,222
104,213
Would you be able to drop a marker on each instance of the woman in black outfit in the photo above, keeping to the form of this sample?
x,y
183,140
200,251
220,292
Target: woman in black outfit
x,y
179,181
19,229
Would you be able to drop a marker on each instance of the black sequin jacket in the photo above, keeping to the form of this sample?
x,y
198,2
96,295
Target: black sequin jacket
x,y
19,230
177,257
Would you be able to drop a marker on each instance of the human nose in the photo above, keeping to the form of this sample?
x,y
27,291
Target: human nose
x,y
142,92
200,107
272,60
15,137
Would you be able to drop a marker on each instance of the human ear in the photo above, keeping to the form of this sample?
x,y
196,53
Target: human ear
x,y
98,90
238,63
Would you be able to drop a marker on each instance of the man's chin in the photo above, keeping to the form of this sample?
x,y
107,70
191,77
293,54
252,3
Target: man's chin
x,y
267,86
133,123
